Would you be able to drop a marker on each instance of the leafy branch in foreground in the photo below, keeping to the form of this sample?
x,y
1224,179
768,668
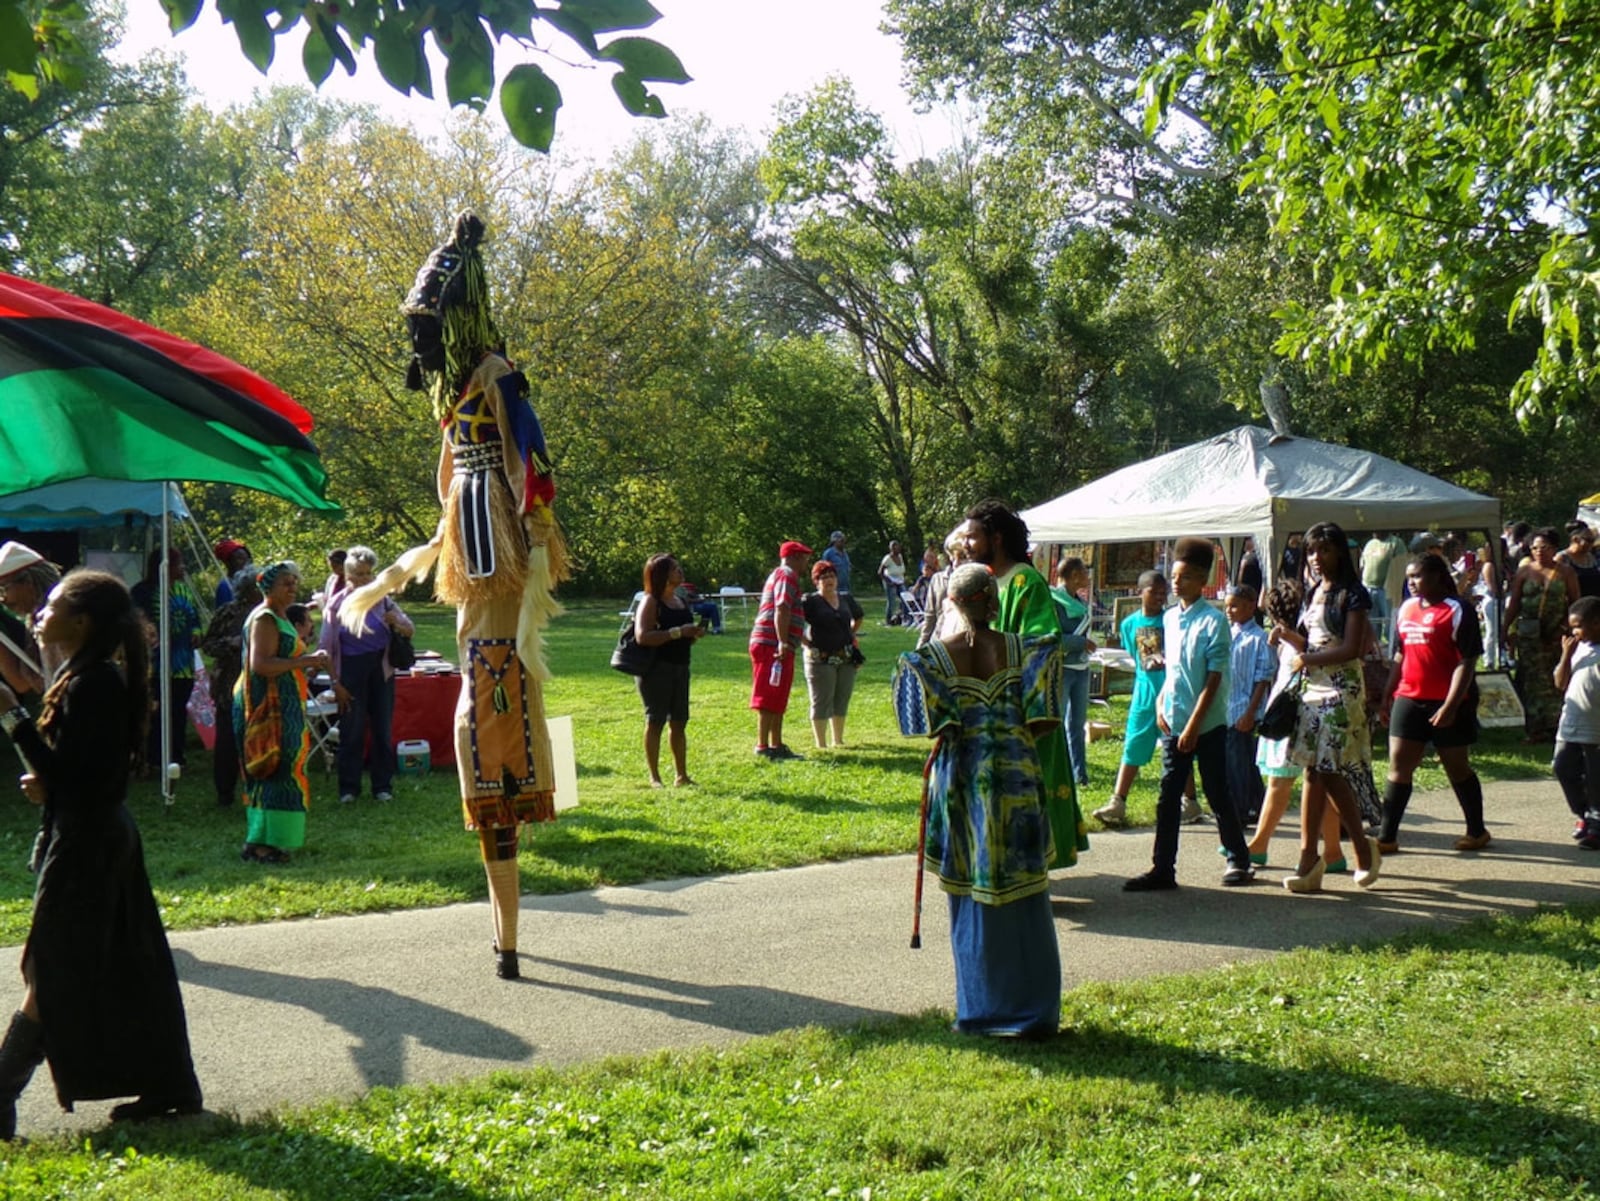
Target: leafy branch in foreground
x,y
41,42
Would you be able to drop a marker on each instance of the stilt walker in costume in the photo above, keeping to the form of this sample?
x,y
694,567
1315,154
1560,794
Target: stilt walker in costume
x,y
499,553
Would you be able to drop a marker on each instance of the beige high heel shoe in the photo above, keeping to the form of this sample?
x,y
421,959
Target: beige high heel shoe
x,y
1311,881
1366,879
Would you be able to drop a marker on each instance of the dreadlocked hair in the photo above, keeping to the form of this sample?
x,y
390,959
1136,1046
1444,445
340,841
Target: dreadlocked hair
x,y
467,329
116,633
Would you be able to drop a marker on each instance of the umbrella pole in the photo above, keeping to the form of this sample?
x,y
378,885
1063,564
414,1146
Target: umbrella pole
x,y
164,687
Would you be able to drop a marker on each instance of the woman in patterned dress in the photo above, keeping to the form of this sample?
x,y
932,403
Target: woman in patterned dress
x,y
277,794
985,697
1536,617
1332,734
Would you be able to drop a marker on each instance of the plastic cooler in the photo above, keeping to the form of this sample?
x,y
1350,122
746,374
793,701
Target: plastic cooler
x,y
414,757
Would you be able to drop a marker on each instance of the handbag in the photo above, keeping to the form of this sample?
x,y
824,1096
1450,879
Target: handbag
x,y
1282,713
629,657
262,752
402,651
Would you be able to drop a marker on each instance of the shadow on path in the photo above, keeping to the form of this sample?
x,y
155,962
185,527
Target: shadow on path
x,y
747,1009
381,1019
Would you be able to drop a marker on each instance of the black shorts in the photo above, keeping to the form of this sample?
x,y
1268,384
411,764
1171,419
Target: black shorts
x,y
1409,719
665,692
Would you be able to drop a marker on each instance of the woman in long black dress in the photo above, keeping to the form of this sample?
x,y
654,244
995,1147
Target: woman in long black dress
x,y
102,1002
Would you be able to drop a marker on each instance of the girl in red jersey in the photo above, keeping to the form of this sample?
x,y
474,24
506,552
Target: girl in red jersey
x,y
1431,697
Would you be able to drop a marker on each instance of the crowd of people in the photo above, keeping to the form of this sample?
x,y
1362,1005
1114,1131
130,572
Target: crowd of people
x,y
998,679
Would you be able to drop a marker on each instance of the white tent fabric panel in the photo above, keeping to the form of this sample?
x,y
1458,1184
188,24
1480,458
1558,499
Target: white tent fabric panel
x,y
1243,483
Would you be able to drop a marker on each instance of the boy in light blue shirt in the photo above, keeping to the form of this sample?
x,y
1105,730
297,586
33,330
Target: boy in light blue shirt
x,y
1192,717
1252,666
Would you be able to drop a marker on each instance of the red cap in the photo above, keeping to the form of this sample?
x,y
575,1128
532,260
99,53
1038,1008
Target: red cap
x,y
793,548
225,548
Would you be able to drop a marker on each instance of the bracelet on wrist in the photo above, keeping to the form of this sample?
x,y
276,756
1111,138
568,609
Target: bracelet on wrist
x,y
12,718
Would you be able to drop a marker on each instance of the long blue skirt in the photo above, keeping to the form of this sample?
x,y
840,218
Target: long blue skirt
x,y
1008,967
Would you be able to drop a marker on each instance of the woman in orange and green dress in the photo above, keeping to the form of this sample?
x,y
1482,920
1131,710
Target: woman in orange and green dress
x,y
269,722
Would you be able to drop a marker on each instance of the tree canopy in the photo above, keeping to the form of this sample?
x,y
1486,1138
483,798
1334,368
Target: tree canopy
x,y
1433,161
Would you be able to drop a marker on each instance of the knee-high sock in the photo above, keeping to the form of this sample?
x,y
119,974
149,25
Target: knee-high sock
x,y
500,866
1396,797
1469,795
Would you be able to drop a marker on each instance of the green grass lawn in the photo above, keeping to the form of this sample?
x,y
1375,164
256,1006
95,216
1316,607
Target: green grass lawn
x,y
1453,1065
745,815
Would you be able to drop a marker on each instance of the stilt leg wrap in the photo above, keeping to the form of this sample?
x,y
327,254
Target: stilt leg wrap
x,y
20,1054
503,897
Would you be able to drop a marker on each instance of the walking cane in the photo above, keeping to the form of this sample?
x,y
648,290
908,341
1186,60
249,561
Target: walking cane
x,y
922,846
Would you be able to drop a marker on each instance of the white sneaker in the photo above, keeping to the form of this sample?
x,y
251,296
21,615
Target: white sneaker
x,y
348,798
1113,813
1191,812
383,796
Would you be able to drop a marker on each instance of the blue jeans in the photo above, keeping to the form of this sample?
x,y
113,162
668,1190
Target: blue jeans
x,y
1210,755
1074,713
371,711
1244,778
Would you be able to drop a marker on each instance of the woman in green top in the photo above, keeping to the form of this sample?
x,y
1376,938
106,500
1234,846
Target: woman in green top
x,y
269,721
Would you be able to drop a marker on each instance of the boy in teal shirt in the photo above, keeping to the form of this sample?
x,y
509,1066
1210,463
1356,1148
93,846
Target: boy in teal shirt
x,y
1191,712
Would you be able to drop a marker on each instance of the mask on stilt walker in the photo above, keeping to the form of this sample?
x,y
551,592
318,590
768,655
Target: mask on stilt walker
x,y
499,554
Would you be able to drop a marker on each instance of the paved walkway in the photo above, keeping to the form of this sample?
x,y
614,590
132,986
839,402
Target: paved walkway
x,y
301,1011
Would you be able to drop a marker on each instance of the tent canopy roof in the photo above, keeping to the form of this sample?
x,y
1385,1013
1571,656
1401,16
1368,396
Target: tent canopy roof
x,y
79,504
1244,483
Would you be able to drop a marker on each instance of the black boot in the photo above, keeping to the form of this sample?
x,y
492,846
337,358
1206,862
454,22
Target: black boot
x,y
20,1053
1396,797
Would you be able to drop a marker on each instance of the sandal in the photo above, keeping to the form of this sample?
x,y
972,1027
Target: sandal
x,y
263,855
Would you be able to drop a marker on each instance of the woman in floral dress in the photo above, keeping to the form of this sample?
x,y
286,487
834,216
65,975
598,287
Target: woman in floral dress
x,y
1332,734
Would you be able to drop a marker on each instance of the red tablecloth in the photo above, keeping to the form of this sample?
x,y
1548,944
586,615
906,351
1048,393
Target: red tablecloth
x,y
425,707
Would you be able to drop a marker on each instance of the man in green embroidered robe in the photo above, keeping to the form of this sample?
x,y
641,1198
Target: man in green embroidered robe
x,y
995,535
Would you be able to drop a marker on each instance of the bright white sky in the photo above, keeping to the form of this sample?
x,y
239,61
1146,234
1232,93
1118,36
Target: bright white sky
x,y
744,55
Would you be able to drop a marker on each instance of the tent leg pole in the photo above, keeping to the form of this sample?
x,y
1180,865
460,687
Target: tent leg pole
x,y
163,686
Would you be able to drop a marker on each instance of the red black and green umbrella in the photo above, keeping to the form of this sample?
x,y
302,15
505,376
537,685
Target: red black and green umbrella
x,y
88,391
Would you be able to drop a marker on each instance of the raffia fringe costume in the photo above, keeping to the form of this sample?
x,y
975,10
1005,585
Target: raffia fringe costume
x,y
499,553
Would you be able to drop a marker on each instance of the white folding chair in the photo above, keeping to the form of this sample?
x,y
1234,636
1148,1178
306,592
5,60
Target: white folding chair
x,y
915,610
322,717
627,614
727,595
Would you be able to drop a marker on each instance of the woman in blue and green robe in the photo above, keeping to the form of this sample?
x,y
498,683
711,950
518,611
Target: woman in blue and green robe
x,y
269,714
985,697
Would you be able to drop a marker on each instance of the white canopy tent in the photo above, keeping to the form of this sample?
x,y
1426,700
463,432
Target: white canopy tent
x,y
1249,483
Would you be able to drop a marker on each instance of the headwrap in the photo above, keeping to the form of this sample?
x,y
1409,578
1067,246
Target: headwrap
x,y
968,584
243,580
226,547
447,314
15,557
267,576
